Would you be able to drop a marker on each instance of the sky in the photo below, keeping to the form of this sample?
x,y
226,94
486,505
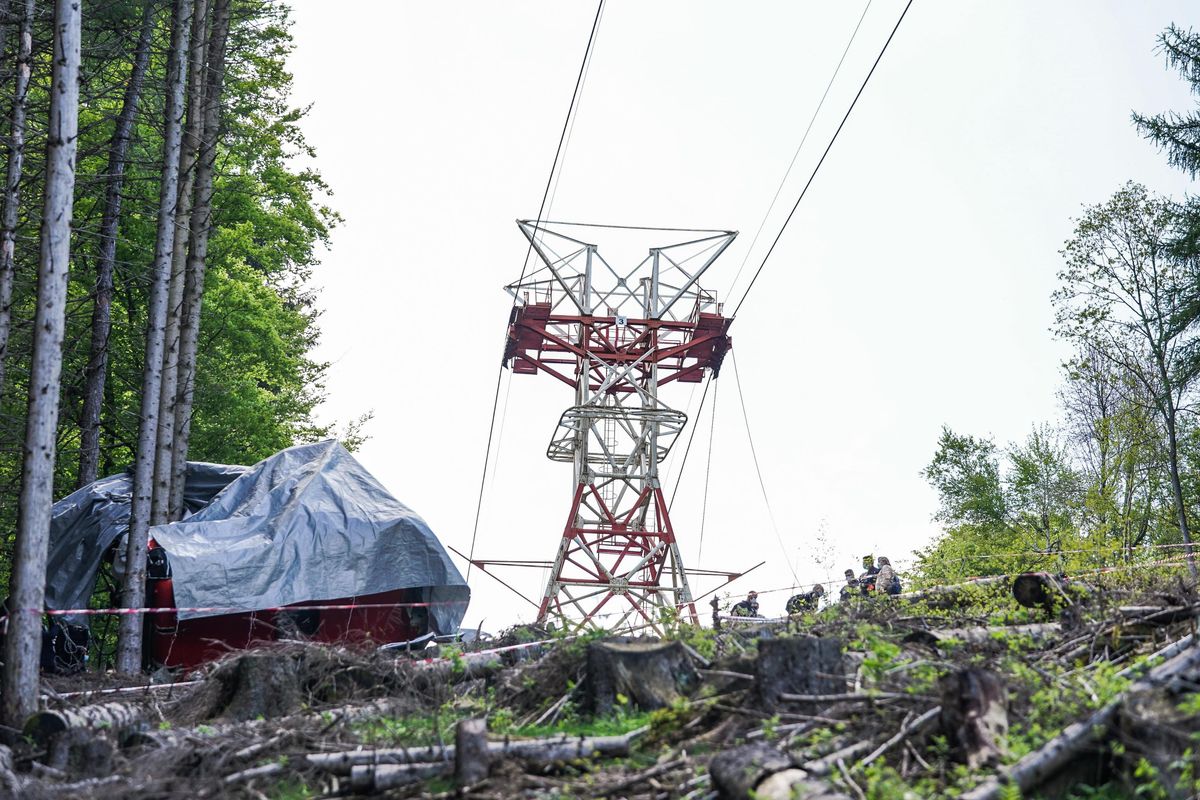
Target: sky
x,y
911,290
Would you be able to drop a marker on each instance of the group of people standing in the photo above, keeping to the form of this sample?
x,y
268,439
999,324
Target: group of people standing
x,y
876,578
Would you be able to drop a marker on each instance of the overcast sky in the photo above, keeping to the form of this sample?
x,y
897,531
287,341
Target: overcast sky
x,y
910,291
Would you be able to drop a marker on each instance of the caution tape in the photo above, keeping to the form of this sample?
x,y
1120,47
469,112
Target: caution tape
x,y
64,612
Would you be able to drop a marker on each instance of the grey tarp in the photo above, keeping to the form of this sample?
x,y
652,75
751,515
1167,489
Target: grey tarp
x,y
308,524
85,523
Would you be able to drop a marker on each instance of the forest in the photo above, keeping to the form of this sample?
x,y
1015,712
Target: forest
x,y
1116,479
160,221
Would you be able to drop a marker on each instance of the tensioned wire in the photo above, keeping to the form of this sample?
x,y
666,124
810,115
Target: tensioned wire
x,y
554,167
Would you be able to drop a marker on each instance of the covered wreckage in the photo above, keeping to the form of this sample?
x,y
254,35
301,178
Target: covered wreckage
x,y
308,526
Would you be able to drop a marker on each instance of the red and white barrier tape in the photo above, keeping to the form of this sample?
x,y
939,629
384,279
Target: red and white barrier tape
x,y
62,612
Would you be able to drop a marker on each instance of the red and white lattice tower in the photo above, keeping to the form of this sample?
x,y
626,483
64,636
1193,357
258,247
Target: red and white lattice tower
x,y
617,336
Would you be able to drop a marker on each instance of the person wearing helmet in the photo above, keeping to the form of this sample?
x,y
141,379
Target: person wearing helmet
x,y
746,608
887,580
866,580
807,601
851,588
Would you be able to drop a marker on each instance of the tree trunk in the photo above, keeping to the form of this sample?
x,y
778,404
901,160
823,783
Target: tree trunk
x,y
198,228
45,725
167,503
1176,486
118,150
28,586
12,181
129,641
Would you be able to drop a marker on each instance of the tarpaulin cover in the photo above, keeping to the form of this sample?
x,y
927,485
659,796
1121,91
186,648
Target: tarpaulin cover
x,y
307,524
85,523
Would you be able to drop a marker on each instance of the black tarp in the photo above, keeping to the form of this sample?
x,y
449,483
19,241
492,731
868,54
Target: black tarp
x,y
304,525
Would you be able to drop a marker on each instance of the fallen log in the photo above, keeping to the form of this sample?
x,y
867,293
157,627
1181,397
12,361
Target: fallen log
x,y
1035,768
550,749
951,595
761,772
986,635
115,716
1046,591
827,764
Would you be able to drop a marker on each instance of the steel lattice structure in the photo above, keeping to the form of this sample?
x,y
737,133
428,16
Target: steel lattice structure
x,y
617,337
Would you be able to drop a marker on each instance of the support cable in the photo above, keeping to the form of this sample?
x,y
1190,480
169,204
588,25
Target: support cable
x,y
487,455
758,470
817,168
788,172
712,426
688,449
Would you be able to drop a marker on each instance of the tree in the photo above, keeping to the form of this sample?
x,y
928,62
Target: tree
x,y
999,515
118,157
1124,294
22,646
1178,134
12,180
198,239
129,647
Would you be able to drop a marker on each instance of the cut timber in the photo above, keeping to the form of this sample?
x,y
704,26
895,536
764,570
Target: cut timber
x,y
471,751
652,674
1046,591
761,772
986,635
807,665
41,727
381,778
1035,768
952,595
555,748
974,716
82,752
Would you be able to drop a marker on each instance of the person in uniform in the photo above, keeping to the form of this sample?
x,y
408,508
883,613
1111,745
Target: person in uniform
x,y
746,608
866,581
887,580
807,601
851,588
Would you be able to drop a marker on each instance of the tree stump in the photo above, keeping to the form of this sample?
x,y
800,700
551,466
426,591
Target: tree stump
x,y
651,674
470,752
798,665
80,752
974,716
257,685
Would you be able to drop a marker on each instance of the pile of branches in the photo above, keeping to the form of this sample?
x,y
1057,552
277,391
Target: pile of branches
x,y
920,694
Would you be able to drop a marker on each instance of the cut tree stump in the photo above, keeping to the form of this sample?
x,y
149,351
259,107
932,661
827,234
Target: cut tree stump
x,y
974,716
257,685
81,752
1153,727
471,751
651,674
807,665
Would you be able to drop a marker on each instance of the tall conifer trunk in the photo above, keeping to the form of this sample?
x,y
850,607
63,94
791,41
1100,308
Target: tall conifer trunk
x,y
22,645
201,220
164,509
118,149
12,180
129,632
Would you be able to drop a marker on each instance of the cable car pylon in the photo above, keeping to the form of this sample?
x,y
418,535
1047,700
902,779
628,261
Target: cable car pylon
x,y
617,336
